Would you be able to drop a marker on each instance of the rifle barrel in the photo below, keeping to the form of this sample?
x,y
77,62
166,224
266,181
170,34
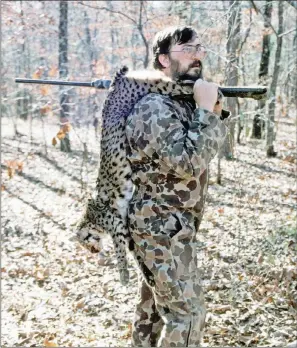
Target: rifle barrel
x,y
244,92
241,92
101,84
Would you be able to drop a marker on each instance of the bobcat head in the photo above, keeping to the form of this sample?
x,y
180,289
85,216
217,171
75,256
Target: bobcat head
x,y
88,232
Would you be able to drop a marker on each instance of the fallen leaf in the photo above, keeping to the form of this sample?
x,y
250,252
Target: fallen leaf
x,y
10,172
80,304
37,74
240,277
41,273
48,343
128,332
53,71
260,259
45,109
290,159
66,128
20,166
221,308
61,135
28,253
269,299
44,90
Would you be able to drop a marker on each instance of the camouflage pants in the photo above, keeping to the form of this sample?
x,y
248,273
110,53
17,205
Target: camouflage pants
x,y
171,312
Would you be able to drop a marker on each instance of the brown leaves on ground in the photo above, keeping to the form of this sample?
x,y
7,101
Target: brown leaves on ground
x,y
57,293
49,343
46,109
38,73
12,167
54,141
128,333
62,133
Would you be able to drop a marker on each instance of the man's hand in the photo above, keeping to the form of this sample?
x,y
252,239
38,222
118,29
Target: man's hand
x,y
219,105
206,96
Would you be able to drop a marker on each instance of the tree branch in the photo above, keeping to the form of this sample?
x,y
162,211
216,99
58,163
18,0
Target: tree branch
x,y
246,34
254,6
109,10
287,32
292,3
258,11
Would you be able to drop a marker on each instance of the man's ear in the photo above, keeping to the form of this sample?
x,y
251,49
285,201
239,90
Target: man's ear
x,y
164,60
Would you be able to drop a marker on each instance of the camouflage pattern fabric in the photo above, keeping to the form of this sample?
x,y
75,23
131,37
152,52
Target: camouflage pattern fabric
x,y
106,212
170,146
147,323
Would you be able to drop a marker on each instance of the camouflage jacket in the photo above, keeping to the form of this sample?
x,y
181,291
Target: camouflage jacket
x,y
171,143
146,125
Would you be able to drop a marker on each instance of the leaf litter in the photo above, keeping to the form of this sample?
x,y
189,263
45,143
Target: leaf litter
x,y
56,293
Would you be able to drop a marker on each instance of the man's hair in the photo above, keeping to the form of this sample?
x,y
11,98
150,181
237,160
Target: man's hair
x,y
166,38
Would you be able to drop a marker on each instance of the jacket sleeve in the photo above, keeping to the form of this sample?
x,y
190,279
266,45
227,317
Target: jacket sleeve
x,y
155,129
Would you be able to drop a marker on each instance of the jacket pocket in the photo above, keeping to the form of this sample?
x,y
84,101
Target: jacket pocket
x,y
183,245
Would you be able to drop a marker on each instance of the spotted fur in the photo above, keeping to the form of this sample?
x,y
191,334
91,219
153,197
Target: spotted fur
x,y
107,210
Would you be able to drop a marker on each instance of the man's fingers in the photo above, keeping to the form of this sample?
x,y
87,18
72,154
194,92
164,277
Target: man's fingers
x,y
206,94
220,95
199,81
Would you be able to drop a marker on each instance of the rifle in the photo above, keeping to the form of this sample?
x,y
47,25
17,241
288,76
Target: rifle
x,y
256,93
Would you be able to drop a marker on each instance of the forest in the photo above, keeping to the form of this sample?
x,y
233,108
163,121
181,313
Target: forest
x,y
55,293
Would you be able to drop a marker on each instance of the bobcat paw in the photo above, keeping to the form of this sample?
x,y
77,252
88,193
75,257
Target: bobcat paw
x,y
89,238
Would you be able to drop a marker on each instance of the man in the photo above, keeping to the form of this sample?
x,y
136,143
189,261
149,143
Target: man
x,y
171,142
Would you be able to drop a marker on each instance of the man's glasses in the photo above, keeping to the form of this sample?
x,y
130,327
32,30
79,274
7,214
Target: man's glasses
x,y
193,50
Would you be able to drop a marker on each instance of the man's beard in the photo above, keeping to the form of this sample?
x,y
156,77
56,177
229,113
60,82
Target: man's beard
x,y
192,73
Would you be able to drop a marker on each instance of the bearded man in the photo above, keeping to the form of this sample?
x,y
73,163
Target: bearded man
x,y
171,142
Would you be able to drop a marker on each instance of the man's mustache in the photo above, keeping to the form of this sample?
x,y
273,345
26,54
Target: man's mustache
x,y
196,64
192,77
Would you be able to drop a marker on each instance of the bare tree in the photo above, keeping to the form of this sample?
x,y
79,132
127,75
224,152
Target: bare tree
x,y
24,98
242,59
272,104
113,36
139,24
258,121
233,47
295,49
63,72
88,43
91,100
232,74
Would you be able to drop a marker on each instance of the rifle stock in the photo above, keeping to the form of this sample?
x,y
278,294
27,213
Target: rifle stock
x,y
256,93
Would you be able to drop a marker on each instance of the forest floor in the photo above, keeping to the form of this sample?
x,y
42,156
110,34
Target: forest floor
x,y
56,293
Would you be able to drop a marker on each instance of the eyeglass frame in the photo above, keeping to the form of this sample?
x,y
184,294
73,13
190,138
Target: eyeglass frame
x,y
197,49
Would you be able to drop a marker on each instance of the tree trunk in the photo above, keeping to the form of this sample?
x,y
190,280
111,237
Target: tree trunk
x,y
134,44
63,72
140,28
295,79
258,122
92,105
89,45
113,34
232,77
24,98
272,104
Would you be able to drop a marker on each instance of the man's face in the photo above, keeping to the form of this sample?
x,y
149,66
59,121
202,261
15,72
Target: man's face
x,y
186,60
